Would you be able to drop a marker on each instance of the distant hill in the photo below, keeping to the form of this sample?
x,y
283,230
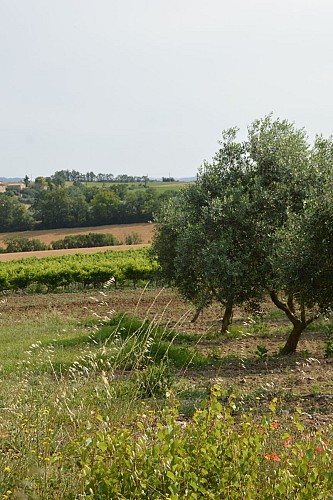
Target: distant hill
x,y
11,179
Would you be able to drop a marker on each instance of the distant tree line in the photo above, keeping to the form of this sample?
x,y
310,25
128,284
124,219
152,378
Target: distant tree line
x,y
62,176
46,203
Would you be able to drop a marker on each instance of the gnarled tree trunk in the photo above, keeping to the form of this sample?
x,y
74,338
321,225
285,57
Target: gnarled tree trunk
x,y
299,324
292,341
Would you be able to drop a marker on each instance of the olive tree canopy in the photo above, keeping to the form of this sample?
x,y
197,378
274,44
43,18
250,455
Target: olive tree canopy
x,y
251,224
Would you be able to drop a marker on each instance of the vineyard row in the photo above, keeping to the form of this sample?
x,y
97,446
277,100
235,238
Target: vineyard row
x,y
79,270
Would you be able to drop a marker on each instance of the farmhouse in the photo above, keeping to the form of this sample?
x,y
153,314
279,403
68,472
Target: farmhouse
x,y
16,185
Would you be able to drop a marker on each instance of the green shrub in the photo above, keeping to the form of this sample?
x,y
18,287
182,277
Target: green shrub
x,y
328,342
213,455
18,244
89,240
133,239
154,381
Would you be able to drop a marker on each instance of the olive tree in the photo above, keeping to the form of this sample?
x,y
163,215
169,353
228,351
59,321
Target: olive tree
x,y
303,257
205,237
281,181
245,229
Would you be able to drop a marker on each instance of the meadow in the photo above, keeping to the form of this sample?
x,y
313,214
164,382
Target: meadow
x,y
115,393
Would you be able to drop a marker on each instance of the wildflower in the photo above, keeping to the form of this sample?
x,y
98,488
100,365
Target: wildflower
x,y
318,449
275,424
7,469
267,456
275,457
261,430
287,442
301,453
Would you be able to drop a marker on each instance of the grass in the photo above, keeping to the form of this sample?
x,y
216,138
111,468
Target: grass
x,y
84,383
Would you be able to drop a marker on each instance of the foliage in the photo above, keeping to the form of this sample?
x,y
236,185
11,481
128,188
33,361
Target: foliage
x,y
85,241
24,245
52,208
154,381
80,269
133,239
205,240
253,223
261,352
13,215
328,342
212,453
55,205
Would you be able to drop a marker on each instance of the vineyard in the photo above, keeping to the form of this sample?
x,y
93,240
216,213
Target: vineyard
x,y
78,271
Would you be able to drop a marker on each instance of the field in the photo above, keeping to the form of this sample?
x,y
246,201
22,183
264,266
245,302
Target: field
x,y
78,373
145,231
156,185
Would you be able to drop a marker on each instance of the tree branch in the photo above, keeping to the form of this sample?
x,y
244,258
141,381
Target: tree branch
x,y
291,303
283,307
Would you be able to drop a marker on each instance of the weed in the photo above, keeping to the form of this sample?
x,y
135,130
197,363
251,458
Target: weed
x,y
133,239
154,381
328,342
261,352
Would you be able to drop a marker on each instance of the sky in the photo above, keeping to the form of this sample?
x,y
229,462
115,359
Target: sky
x,y
145,87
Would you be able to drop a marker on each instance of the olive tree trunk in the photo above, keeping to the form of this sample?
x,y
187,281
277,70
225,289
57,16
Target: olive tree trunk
x,y
227,317
299,323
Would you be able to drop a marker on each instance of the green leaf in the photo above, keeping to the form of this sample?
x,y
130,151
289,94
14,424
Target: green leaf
x,y
102,445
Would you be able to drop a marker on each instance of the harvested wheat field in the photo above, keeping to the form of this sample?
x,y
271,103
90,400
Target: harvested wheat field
x,y
120,231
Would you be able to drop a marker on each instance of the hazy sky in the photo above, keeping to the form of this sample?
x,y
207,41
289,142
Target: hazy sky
x,y
146,86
